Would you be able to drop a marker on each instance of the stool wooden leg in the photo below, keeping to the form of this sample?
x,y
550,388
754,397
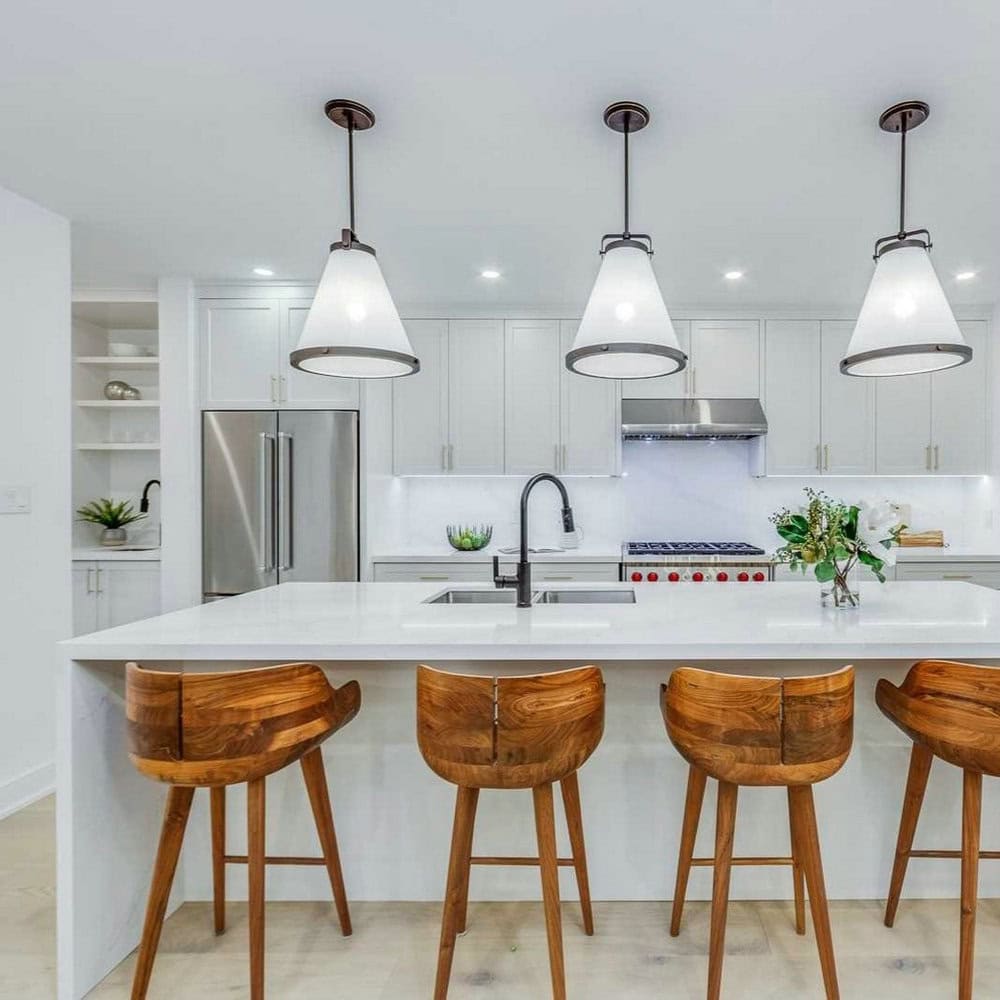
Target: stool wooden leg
x,y
319,798
462,912
570,787
175,819
725,825
972,791
218,799
461,844
798,879
689,832
545,828
916,784
807,837
255,875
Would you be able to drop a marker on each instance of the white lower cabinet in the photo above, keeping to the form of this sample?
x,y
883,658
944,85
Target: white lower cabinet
x,y
106,594
482,572
985,574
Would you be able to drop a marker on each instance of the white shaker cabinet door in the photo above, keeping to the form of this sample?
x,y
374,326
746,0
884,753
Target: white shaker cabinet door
x,y
302,390
903,425
792,397
128,592
240,354
667,386
959,410
85,618
848,409
531,390
420,404
590,416
475,397
725,359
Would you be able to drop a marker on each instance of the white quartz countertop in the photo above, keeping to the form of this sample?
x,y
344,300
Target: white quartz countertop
x,y
446,554
388,621
98,553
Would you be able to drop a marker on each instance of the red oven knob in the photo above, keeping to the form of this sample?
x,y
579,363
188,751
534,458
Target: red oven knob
x,y
759,577
721,577
652,577
697,577
743,577
636,577
673,577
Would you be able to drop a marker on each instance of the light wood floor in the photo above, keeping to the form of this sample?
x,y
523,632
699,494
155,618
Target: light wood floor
x,y
391,955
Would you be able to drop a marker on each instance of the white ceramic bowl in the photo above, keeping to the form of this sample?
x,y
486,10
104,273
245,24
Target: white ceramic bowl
x,y
123,350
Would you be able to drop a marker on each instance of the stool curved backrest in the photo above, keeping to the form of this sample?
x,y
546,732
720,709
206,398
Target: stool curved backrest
x,y
761,730
212,729
508,732
951,708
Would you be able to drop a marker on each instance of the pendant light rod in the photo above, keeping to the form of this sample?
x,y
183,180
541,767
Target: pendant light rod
x,y
628,119
350,166
902,182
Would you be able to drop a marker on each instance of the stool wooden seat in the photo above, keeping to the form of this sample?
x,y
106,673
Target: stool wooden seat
x,y
791,732
212,730
952,711
511,732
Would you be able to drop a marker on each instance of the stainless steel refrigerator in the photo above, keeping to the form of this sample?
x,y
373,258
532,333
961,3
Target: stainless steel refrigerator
x,y
280,498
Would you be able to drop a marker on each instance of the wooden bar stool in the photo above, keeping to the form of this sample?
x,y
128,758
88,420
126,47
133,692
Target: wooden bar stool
x,y
511,732
951,711
791,732
214,730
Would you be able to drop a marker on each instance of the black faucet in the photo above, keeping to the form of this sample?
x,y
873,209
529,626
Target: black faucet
x,y
144,502
523,578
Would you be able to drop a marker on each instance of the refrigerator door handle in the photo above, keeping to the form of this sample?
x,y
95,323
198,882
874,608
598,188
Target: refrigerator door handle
x,y
265,527
285,500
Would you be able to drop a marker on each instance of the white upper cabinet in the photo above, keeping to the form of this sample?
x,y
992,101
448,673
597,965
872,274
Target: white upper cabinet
x,y
420,403
848,409
668,386
903,425
591,418
245,344
725,359
532,383
959,411
791,397
475,396
302,390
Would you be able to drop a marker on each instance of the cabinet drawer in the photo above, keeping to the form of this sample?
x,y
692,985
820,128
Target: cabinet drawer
x,y
983,574
387,572
560,572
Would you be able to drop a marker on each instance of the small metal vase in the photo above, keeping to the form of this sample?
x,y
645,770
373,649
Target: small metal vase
x,y
110,537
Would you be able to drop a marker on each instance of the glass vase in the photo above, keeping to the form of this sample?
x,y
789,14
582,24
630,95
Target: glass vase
x,y
843,592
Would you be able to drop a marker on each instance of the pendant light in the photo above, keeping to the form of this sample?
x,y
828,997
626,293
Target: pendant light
x,y
626,331
353,329
905,326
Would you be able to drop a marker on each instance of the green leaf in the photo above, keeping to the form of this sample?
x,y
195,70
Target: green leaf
x,y
790,533
825,571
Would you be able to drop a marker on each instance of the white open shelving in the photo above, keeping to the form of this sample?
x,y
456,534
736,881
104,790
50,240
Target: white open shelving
x,y
120,404
117,361
118,446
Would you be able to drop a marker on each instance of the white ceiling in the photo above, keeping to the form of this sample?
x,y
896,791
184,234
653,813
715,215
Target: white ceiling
x,y
188,138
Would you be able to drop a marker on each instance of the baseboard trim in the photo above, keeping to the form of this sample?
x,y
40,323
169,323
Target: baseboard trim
x,y
26,788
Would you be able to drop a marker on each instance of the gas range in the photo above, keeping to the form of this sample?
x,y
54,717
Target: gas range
x,y
695,562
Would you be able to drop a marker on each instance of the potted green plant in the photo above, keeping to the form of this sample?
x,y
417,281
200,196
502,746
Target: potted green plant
x,y
836,539
112,517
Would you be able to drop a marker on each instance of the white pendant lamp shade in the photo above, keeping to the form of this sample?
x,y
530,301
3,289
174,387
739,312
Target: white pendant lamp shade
x,y
353,329
626,330
906,325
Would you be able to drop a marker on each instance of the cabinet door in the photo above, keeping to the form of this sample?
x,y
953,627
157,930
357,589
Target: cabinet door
x,y
420,404
668,386
959,411
128,591
590,416
84,598
725,359
468,572
903,425
531,391
239,354
792,397
475,397
301,389
848,409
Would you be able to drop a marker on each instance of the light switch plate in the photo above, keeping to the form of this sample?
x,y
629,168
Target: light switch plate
x,y
15,499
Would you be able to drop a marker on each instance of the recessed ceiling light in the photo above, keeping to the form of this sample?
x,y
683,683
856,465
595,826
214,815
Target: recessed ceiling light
x,y
965,275
733,275
263,272
489,272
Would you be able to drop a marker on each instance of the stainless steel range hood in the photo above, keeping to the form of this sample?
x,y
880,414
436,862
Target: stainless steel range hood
x,y
687,419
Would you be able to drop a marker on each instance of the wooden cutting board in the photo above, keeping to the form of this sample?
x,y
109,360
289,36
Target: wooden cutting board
x,y
922,539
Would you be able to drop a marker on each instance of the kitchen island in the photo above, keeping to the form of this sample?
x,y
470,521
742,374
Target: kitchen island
x,y
393,815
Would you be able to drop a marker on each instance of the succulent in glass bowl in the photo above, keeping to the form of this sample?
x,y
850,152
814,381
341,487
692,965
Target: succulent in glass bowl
x,y
469,537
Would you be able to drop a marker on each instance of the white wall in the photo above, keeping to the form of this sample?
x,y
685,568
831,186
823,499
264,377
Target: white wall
x,y
35,431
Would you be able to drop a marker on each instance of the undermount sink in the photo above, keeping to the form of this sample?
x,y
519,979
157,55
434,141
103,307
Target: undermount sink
x,y
474,597
584,597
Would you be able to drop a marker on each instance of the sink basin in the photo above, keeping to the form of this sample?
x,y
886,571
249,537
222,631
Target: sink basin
x,y
585,597
474,597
